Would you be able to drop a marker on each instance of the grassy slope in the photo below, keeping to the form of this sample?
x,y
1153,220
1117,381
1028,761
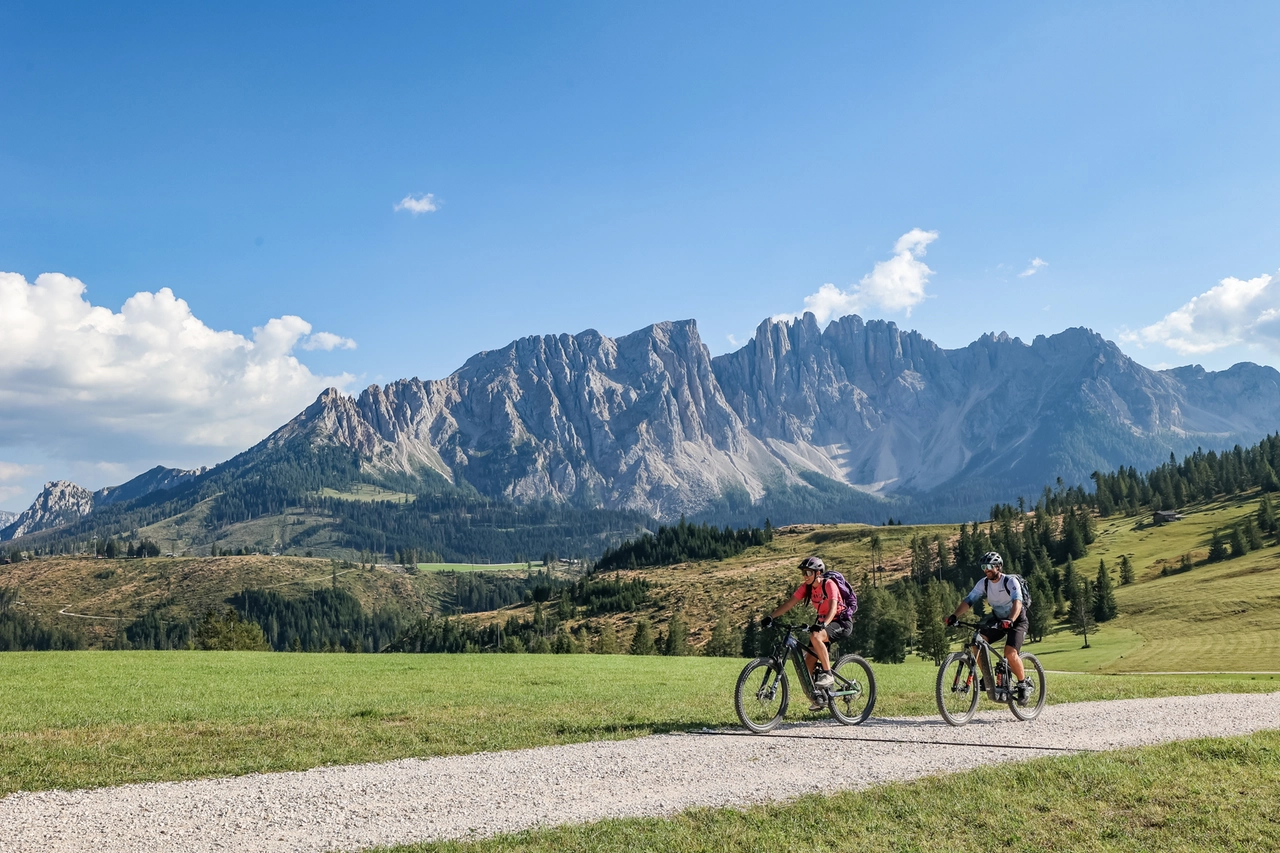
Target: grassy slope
x,y
1217,617
192,584
80,719
1208,795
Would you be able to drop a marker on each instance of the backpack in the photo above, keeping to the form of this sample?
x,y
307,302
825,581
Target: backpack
x,y
1022,584
847,596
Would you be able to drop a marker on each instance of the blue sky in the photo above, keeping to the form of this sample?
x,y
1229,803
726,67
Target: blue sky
x,y
595,166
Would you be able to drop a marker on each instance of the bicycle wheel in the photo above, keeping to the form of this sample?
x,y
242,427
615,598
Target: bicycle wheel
x,y
1030,708
761,695
855,688
957,688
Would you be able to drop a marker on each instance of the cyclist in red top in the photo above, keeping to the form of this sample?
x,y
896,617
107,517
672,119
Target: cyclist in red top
x,y
824,595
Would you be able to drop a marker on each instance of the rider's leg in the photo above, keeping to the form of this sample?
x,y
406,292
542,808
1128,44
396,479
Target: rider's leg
x,y
1015,662
819,641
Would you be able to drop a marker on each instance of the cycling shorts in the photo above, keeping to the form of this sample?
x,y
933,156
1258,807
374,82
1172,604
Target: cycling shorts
x,y
838,630
1016,634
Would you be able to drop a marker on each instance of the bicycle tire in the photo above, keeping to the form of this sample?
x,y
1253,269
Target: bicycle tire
x,y
957,688
855,709
1034,704
761,703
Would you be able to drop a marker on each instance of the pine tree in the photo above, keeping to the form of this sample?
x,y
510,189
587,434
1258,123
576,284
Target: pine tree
x,y
721,644
1239,547
1217,548
1267,514
607,642
1252,537
1040,614
1081,611
932,642
642,639
1104,595
751,639
1126,570
677,644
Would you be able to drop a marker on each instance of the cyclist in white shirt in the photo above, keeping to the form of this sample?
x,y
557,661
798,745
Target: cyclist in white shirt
x,y
1010,616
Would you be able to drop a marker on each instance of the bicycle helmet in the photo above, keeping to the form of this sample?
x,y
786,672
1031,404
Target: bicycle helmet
x,y
812,564
992,560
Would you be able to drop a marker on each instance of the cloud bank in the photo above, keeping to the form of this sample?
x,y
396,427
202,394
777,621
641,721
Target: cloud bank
x,y
896,284
79,381
1234,312
420,204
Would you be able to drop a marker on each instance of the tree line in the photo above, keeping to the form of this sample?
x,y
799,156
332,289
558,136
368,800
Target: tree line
x,y
681,543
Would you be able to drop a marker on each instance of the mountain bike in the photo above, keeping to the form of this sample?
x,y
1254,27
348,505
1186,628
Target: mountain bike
x,y
763,689
960,682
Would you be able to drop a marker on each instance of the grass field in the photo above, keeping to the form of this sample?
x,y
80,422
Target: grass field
x,y
1209,795
367,493
187,586
1218,617
477,567
83,719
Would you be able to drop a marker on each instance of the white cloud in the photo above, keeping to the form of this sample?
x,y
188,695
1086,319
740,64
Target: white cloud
x,y
896,284
79,381
327,341
1233,312
420,204
13,471
733,340
1036,264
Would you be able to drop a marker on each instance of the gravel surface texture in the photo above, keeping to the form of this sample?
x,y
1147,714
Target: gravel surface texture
x,y
349,808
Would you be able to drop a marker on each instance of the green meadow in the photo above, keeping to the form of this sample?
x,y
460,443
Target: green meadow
x,y
85,719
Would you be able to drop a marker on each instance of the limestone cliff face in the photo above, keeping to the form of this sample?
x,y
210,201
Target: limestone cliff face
x,y
59,503
650,421
62,502
634,422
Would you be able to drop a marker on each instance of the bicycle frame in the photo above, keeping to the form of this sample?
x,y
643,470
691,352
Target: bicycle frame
x,y
997,680
791,647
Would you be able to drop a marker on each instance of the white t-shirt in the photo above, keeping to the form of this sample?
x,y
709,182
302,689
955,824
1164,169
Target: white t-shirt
x,y
1000,594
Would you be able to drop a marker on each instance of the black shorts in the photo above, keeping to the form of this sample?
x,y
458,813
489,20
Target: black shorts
x,y
838,630
1013,637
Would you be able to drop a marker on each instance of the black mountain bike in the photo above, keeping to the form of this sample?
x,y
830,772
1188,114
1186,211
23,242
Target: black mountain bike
x,y
762,692
963,676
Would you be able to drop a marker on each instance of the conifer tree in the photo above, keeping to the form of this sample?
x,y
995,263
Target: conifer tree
x,y
1267,514
1217,548
642,640
1252,537
1239,547
1040,614
677,644
607,641
751,639
1126,570
1081,611
1104,595
721,644
932,642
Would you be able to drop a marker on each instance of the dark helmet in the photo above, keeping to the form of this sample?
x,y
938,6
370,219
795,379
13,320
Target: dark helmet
x,y
813,564
992,560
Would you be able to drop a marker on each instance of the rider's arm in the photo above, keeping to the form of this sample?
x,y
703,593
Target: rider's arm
x,y
1017,608
961,610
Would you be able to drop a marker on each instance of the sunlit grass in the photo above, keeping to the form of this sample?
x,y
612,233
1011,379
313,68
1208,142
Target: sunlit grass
x,y
80,719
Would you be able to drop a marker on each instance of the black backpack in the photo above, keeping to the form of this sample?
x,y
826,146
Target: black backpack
x,y
1022,585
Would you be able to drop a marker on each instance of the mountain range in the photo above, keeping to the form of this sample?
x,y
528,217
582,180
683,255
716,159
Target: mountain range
x,y
850,422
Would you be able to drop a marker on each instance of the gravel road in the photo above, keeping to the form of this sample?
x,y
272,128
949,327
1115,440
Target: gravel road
x,y
349,808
